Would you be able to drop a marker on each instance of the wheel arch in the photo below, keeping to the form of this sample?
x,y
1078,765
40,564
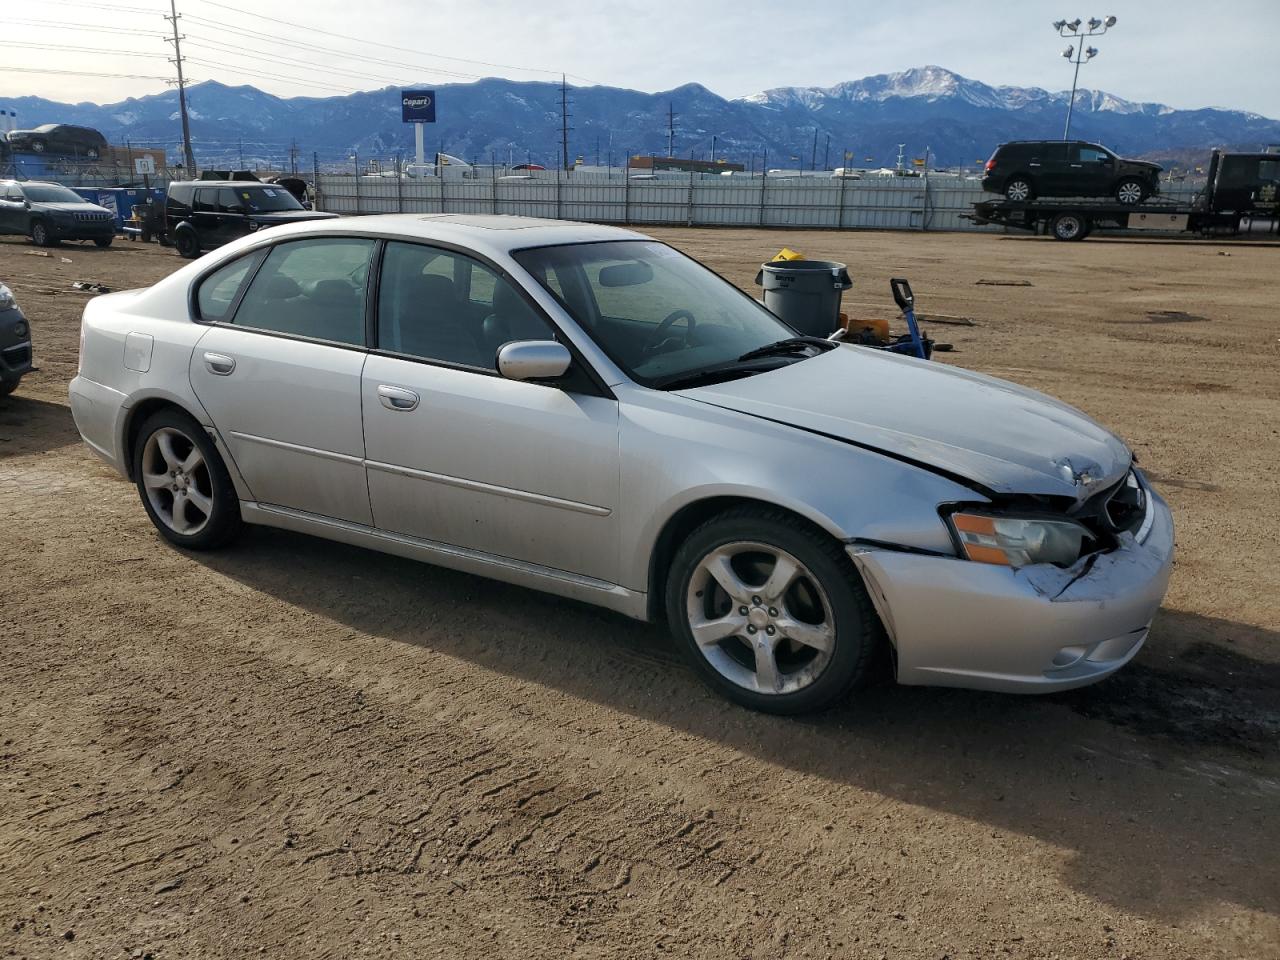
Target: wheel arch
x,y
142,408
692,515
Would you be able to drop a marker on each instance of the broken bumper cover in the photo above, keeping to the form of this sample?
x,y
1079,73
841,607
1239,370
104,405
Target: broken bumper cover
x,y
1033,630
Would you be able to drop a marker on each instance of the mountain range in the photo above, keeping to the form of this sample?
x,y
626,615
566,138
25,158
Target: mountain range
x,y
957,119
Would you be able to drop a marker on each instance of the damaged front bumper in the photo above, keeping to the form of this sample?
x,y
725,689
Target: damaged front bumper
x,y
1036,629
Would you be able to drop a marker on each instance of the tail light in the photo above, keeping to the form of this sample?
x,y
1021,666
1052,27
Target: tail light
x,y
991,165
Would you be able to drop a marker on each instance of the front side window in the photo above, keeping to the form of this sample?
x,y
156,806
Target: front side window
x,y
218,290
228,202
657,313
436,304
311,288
266,199
1094,155
206,200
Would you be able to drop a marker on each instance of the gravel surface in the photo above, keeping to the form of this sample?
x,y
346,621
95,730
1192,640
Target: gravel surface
x,y
294,748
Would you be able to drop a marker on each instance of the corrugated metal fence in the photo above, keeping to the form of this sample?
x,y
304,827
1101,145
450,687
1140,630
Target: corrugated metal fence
x,y
890,203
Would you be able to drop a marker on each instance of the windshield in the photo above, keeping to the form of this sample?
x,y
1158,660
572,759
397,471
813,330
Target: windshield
x,y
658,314
267,199
51,193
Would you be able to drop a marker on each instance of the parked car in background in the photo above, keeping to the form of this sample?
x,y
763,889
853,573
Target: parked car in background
x,y
15,342
587,411
59,138
49,213
1026,169
203,214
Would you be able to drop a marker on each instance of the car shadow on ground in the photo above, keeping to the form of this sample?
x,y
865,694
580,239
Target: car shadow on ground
x,y
1118,776
31,426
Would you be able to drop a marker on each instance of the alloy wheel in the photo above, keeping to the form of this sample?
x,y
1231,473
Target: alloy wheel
x,y
1129,192
1018,191
176,479
760,618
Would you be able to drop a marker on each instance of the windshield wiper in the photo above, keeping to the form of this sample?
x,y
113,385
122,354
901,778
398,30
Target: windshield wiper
x,y
699,378
789,345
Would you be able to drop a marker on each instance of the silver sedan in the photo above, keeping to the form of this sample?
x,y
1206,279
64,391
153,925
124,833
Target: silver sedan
x,y
586,411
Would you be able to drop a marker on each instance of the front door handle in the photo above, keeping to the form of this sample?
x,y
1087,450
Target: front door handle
x,y
219,364
397,398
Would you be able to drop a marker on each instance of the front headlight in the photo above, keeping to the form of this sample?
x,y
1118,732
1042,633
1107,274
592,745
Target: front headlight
x,y
1018,541
7,301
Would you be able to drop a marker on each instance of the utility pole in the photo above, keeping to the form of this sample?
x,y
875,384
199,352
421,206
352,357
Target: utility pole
x,y
713,148
671,130
188,157
240,149
813,158
564,122
826,154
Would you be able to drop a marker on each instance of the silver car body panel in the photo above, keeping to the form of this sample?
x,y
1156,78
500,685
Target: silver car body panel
x,y
571,493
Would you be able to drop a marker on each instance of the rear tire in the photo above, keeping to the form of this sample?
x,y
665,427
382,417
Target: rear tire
x,y
188,244
1130,191
1019,189
1069,226
809,632
103,242
183,483
8,386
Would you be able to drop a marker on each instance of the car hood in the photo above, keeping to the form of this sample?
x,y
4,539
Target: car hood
x,y
1142,166
69,206
292,216
1004,437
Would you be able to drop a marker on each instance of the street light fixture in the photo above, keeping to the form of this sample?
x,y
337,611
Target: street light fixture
x,y
1070,29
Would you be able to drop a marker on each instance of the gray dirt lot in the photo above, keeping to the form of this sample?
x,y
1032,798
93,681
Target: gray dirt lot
x,y
299,749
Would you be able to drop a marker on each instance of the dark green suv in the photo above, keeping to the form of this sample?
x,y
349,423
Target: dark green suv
x,y
1026,169
49,213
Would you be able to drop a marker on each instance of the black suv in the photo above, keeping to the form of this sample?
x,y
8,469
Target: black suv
x,y
49,213
1026,169
201,214
15,342
59,138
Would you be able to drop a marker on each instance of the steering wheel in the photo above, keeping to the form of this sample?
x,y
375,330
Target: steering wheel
x,y
659,335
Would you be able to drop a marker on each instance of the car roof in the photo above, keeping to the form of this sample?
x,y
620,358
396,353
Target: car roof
x,y
486,233
32,183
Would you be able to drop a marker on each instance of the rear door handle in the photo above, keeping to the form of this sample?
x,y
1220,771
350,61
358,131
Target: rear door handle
x,y
397,398
219,364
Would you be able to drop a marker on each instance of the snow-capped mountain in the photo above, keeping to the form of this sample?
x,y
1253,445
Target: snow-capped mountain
x,y
958,119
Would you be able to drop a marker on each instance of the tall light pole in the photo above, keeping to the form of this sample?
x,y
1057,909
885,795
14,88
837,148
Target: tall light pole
x,y
1078,53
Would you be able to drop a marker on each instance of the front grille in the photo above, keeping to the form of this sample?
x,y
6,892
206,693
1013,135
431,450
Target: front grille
x,y
18,356
94,217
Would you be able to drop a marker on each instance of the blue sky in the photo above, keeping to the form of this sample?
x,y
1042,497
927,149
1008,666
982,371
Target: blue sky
x,y
1171,51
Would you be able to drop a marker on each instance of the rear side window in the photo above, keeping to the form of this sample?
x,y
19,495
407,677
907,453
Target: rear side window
x,y
218,291
311,288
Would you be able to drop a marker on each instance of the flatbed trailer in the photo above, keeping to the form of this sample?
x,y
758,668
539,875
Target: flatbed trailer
x,y
1239,198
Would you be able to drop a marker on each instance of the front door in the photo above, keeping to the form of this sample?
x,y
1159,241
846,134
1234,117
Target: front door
x,y
460,455
1092,169
279,373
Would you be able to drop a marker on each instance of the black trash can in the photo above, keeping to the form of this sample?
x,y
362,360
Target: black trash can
x,y
805,293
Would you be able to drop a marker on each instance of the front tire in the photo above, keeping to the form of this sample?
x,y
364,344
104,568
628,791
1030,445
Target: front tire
x,y
183,482
188,244
1019,190
42,236
771,612
1131,191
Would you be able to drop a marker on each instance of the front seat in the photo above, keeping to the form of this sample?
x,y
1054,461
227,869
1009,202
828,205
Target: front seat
x,y
433,323
512,319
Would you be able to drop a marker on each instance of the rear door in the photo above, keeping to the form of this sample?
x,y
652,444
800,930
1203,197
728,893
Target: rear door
x,y
279,372
204,215
1052,171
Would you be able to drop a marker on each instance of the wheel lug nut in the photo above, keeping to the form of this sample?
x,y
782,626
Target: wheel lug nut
x,y
751,629
773,611
756,601
743,611
770,631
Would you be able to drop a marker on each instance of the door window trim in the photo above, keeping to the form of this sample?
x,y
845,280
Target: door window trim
x,y
601,389
262,252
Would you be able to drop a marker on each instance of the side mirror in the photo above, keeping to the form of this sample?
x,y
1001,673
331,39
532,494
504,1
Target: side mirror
x,y
533,360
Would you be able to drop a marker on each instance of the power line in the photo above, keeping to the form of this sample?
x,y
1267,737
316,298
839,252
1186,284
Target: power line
x,y
89,27
315,48
231,68
80,73
228,50
62,48
101,6
389,46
